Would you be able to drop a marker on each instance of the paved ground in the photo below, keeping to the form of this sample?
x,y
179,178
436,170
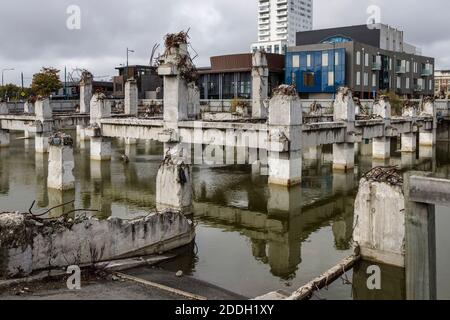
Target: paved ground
x,y
99,288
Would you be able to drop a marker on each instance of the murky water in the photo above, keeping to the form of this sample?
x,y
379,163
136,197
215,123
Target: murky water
x,y
252,238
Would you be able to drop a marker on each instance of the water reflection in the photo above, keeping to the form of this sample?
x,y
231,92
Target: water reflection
x,y
252,237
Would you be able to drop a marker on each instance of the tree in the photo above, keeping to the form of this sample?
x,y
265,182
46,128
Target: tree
x,y
13,92
46,82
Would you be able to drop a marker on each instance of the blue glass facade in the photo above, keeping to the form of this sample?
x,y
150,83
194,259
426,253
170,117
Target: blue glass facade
x,y
316,71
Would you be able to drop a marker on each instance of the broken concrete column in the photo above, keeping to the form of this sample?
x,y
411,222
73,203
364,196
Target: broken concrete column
x,y
344,110
285,143
43,110
28,245
382,108
61,162
380,218
174,186
193,101
381,148
28,107
131,98
409,142
4,138
86,91
260,84
100,108
178,70
428,109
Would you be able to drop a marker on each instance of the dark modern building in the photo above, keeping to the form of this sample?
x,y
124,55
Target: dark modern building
x,y
71,89
147,80
368,59
230,76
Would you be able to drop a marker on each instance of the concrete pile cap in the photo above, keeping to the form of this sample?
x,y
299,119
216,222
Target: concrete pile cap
x,y
389,175
285,90
60,139
86,76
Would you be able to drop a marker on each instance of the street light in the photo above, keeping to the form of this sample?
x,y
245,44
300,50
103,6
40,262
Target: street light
x,y
3,72
128,51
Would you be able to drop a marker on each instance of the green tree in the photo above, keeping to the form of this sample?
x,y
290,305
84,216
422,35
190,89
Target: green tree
x,y
46,82
14,93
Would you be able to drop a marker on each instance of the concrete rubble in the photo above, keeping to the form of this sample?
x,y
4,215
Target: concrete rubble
x,y
29,243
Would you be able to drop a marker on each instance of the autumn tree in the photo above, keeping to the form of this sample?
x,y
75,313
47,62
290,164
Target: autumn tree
x,y
46,82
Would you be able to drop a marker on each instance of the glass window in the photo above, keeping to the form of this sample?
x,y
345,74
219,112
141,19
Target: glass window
x,y
325,59
277,49
331,78
336,58
374,80
296,61
407,83
358,58
366,79
308,60
358,78
366,60
228,86
244,85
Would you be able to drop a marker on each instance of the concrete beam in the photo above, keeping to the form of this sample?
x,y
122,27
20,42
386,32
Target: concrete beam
x,y
429,190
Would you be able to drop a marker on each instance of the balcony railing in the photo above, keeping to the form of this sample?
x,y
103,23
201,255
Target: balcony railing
x,y
400,69
376,66
427,72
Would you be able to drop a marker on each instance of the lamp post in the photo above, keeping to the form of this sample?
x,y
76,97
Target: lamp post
x,y
128,51
334,70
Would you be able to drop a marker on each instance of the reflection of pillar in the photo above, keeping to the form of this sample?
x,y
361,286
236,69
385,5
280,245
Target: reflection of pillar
x,y
343,182
259,249
41,168
4,138
58,197
100,149
130,141
313,153
41,142
130,151
100,170
408,160
101,203
381,148
4,171
392,283
421,252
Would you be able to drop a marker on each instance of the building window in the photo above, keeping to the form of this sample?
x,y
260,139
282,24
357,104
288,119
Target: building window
x,y
325,59
408,66
277,49
431,85
228,86
269,49
358,58
358,78
366,79
308,79
331,78
336,58
308,60
366,60
244,85
296,61
374,80
294,79
399,83
407,83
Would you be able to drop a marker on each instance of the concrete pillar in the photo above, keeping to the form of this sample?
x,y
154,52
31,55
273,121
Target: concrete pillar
x,y
427,138
380,222
409,142
343,157
381,148
285,129
41,142
366,148
28,107
100,108
260,84
131,98
28,134
86,91
174,186
193,101
344,111
175,84
4,108
408,160
100,149
81,133
43,110
61,163
4,138
382,108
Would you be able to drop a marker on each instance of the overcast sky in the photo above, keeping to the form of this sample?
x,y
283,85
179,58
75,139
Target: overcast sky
x,y
34,33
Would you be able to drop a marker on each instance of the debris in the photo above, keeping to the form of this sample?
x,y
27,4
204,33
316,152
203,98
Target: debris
x,y
385,174
179,274
60,139
285,90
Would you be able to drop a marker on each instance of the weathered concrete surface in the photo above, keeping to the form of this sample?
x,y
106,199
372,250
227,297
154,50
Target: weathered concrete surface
x,y
43,110
29,245
100,108
61,163
380,222
100,149
174,186
260,84
382,108
381,148
4,108
343,156
131,97
86,91
409,142
28,107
